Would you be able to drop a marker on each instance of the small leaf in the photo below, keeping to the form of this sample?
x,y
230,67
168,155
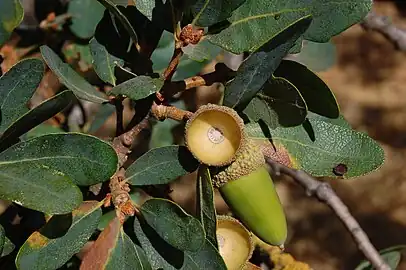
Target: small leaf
x,y
16,88
104,112
121,17
316,56
8,247
62,237
104,63
85,16
2,238
203,50
164,216
87,160
315,92
106,219
391,255
330,146
209,12
161,166
37,115
113,249
11,15
205,208
138,88
73,81
164,256
278,104
258,67
38,187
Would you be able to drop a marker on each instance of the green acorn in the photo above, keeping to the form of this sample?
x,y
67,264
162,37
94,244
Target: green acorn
x,y
215,136
248,190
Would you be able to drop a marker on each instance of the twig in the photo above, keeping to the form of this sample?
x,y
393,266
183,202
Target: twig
x,y
221,74
118,103
326,194
119,188
383,25
170,70
162,112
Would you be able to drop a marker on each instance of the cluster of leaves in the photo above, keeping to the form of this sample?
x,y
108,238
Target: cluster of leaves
x,y
129,46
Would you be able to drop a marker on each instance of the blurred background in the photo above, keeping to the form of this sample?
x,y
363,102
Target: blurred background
x,y
368,78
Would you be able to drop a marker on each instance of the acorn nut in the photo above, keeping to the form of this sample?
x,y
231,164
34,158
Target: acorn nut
x,y
214,135
235,242
248,190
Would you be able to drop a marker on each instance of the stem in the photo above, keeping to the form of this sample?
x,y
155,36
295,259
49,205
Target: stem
x,y
170,70
118,103
326,194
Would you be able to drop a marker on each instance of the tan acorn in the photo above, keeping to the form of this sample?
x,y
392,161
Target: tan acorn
x,y
214,135
235,242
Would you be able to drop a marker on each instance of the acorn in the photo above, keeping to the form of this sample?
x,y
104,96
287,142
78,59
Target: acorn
x,y
215,135
234,241
248,190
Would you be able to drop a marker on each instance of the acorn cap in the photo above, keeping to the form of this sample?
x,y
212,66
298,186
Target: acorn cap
x,y
215,134
235,242
249,159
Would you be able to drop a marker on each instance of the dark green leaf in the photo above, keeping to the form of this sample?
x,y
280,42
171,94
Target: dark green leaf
x,y
258,68
209,12
246,31
104,63
159,12
73,81
138,88
2,238
322,146
16,88
121,17
332,17
85,16
186,232
205,208
62,237
278,104
11,15
316,56
164,256
37,115
315,92
391,255
87,160
113,250
8,247
38,187
161,166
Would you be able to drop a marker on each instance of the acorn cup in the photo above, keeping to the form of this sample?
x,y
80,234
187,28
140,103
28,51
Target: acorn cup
x,y
215,136
235,242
